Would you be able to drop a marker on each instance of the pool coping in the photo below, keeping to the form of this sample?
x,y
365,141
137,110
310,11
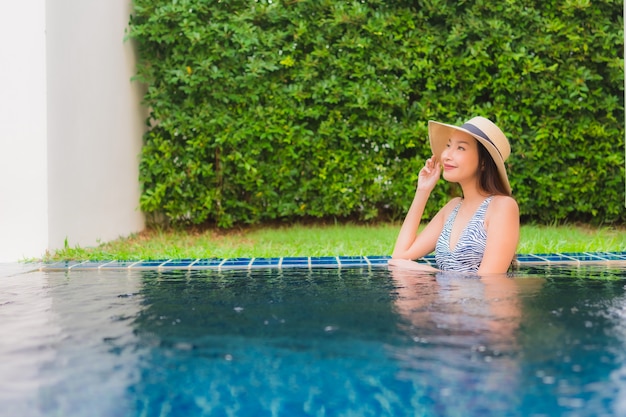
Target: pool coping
x,y
557,259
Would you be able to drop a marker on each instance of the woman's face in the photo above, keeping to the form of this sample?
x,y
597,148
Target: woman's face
x,y
460,158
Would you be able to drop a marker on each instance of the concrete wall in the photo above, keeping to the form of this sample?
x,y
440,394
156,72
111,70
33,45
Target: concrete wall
x,y
71,126
23,115
95,123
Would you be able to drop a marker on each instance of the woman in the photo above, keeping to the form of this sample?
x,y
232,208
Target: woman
x,y
476,233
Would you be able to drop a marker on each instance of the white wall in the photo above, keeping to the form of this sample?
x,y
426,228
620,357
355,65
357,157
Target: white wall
x,y
23,147
95,123
71,125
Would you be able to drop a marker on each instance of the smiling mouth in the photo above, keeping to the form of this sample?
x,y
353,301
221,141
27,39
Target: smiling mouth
x,y
448,167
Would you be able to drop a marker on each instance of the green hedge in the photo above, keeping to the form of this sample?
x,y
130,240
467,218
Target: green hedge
x,y
285,109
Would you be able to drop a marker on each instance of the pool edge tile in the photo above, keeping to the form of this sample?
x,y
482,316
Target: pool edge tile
x,y
521,260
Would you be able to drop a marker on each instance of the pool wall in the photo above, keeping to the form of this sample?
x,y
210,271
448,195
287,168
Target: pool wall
x,y
565,259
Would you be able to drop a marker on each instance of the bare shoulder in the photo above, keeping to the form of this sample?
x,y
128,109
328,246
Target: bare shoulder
x,y
453,203
504,202
503,206
450,205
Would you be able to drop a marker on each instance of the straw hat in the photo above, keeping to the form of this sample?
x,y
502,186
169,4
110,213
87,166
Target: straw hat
x,y
485,132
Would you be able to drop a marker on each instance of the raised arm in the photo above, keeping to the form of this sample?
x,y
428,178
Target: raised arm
x,y
409,245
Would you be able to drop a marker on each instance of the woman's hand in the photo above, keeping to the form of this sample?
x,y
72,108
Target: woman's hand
x,y
408,265
410,245
429,174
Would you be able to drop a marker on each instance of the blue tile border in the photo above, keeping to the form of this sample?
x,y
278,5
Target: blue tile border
x,y
567,258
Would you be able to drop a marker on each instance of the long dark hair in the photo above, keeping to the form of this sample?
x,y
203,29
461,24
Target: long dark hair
x,y
489,177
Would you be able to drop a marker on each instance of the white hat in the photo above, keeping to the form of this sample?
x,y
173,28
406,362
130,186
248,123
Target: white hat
x,y
484,131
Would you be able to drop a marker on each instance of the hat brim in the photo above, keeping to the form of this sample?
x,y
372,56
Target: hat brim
x,y
439,134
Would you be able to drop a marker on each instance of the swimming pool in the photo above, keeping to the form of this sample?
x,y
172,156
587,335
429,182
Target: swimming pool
x,y
358,340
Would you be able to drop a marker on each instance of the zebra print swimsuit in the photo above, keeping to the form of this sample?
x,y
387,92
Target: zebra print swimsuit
x,y
469,250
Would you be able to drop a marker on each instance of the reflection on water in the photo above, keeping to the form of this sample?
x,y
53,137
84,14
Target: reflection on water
x,y
27,332
313,342
574,347
73,333
466,338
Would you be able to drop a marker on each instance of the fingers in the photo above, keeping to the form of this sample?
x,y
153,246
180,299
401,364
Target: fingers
x,y
432,161
432,164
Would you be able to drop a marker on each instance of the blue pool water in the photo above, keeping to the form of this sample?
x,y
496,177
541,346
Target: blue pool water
x,y
356,341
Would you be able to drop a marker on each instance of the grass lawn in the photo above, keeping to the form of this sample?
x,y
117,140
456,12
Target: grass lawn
x,y
318,240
